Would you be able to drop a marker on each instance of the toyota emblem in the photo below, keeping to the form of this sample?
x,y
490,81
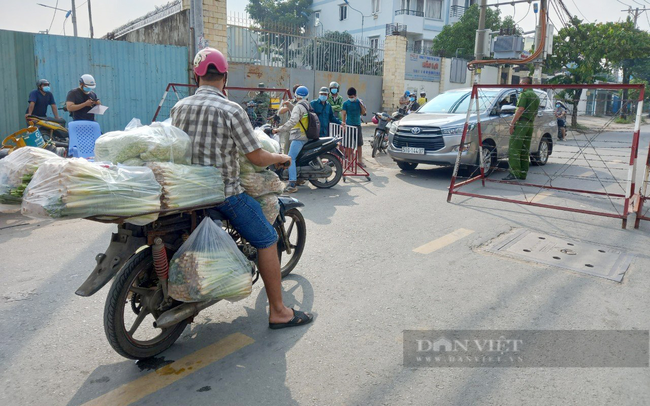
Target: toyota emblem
x,y
416,130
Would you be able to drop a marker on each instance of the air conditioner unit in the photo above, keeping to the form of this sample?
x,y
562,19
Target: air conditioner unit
x,y
507,46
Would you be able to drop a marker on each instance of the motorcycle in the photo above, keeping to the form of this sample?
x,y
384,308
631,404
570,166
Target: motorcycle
x,y
380,139
319,162
52,129
138,257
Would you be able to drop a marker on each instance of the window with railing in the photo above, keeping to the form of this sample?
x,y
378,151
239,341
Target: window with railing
x,y
433,9
456,11
409,12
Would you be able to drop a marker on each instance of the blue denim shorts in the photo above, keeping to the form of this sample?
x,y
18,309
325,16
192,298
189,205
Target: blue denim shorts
x,y
246,216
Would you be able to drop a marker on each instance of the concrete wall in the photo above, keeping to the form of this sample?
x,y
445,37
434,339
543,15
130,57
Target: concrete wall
x,y
369,88
173,30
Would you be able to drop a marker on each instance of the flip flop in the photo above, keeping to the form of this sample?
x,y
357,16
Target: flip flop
x,y
299,319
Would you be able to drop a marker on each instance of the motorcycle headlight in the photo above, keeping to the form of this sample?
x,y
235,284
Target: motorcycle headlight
x,y
393,129
457,130
457,147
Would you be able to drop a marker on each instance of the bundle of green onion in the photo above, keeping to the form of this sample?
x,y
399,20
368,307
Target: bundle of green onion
x,y
268,144
188,185
262,183
16,171
158,142
76,188
209,266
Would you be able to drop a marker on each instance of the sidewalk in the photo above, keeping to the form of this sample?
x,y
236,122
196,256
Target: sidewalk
x,y
597,123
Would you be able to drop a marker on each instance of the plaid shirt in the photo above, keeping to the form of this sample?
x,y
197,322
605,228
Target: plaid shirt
x,y
219,128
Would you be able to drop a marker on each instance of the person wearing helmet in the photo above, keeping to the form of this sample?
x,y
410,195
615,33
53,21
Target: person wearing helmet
x,y
82,99
262,103
39,99
335,100
219,129
296,126
413,105
423,98
404,101
287,107
324,112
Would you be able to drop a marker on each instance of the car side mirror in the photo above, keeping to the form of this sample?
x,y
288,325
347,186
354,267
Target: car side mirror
x,y
508,109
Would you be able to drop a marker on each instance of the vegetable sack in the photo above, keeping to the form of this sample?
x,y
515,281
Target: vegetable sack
x,y
188,185
158,142
268,144
76,188
262,183
209,266
270,206
16,171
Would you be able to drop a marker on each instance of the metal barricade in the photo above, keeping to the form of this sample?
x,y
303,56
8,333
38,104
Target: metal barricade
x,y
349,147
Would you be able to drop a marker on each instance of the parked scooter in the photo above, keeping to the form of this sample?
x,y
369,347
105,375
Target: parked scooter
x,y
319,162
53,130
380,139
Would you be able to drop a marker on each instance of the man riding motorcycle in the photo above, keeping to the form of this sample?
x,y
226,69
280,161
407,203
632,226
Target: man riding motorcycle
x,y
40,99
219,129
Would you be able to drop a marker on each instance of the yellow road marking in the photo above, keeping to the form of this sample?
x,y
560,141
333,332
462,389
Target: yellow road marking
x,y
541,196
160,378
442,242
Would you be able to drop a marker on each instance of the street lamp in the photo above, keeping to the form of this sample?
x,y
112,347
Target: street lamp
x,y
67,14
318,22
363,17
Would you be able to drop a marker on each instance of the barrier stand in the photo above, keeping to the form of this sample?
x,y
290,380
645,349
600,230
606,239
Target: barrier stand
x,y
348,145
643,196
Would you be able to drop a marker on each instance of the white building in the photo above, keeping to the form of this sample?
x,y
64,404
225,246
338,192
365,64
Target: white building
x,y
424,19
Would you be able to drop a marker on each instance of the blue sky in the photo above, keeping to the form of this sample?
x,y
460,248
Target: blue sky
x,y
26,15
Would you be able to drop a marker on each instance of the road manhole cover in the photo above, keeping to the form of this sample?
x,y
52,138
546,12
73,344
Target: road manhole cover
x,y
584,257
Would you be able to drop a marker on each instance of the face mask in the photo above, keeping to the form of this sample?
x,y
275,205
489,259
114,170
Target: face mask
x,y
322,97
46,89
557,106
334,91
87,89
351,99
412,98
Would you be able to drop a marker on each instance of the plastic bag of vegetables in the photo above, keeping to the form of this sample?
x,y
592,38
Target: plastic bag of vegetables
x,y
76,188
270,206
262,183
158,142
188,185
16,171
268,144
209,266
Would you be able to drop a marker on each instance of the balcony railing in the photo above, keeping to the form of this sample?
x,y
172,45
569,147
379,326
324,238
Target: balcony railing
x,y
457,11
409,13
396,29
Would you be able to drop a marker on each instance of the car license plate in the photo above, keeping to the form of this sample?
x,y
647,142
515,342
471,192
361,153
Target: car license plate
x,y
412,150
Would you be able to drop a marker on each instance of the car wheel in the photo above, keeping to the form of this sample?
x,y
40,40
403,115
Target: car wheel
x,y
489,160
407,166
540,158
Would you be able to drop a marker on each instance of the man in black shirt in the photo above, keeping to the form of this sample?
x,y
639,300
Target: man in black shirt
x,y
82,99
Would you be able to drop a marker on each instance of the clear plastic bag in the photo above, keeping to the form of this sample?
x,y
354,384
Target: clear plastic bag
x,y
209,266
158,142
268,144
262,183
270,206
188,185
16,171
134,123
76,188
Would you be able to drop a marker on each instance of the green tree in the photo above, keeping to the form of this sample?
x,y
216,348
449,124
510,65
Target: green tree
x,y
461,35
334,51
578,55
293,15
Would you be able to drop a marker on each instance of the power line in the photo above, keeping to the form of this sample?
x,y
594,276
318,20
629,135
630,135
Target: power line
x,y
55,10
580,11
524,17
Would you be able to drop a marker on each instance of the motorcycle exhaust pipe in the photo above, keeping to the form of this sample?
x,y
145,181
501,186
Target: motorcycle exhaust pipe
x,y
179,313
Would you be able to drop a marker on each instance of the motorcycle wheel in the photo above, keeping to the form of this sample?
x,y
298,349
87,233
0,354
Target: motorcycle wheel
x,y
135,295
296,230
376,142
337,172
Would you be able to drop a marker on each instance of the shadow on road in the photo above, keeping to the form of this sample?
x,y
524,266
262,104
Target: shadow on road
x,y
255,372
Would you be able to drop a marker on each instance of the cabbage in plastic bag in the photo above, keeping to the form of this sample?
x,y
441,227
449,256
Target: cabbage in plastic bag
x,y
262,183
270,206
158,142
76,188
268,144
209,266
16,171
188,185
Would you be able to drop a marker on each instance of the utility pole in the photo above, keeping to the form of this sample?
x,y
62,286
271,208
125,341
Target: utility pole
x,y
537,76
481,33
74,18
90,18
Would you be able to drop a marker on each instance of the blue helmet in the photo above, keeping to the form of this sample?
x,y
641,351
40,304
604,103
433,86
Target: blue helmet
x,y
302,91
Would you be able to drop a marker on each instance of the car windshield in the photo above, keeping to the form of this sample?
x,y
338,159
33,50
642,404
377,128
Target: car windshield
x,y
458,102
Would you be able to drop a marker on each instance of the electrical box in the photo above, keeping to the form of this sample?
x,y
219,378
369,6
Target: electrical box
x,y
482,43
507,47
